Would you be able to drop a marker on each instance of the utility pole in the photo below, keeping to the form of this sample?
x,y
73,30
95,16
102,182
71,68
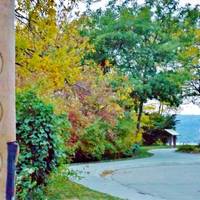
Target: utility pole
x,y
8,146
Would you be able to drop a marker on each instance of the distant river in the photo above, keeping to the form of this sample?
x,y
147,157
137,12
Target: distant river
x,y
188,127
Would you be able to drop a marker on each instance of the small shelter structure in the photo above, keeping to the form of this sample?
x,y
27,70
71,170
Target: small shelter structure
x,y
172,137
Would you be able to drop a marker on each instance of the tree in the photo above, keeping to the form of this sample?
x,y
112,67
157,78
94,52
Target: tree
x,y
191,55
47,59
193,89
52,61
144,42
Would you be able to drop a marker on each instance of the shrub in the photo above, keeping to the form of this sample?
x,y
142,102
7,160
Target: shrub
x,y
189,148
92,141
163,121
101,140
41,135
126,136
125,126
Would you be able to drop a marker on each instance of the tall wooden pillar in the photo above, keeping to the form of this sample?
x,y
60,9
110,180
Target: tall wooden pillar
x,y
170,140
8,147
174,141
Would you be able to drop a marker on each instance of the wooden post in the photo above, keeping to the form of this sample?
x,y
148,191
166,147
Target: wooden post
x,y
170,140
174,141
8,147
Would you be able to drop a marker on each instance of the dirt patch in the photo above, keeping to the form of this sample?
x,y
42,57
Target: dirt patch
x,y
107,173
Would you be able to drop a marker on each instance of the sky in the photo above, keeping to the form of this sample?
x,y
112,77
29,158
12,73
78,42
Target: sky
x,y
189,109
102,3
185,109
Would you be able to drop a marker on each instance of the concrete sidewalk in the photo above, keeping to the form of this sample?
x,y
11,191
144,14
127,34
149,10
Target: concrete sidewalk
x,y
167,175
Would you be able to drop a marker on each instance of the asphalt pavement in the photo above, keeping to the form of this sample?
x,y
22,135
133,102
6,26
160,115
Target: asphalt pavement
x,y
167,175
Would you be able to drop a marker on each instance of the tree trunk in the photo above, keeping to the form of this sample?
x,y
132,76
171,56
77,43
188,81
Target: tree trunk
x,y
8,147
140,110
160,107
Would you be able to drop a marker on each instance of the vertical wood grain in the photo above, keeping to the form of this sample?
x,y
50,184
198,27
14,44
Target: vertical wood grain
x,y
7,86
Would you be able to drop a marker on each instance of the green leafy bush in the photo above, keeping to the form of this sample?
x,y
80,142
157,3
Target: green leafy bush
x,y
189,148
126,137
100,140
125,126
163,121
92,141
41,135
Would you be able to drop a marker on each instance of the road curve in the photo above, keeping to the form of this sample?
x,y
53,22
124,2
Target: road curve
x,y
167,175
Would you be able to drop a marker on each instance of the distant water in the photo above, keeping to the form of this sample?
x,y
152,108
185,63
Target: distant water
x,y
188,127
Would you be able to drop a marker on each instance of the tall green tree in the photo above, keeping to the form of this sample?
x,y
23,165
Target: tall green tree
x,y
192,54
144,42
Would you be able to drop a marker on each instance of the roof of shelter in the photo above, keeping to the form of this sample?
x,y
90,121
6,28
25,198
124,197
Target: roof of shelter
x,y
171,132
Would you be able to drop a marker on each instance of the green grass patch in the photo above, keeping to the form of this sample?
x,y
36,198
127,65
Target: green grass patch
x,y
140,153
152,147
189,148
60,188
144,151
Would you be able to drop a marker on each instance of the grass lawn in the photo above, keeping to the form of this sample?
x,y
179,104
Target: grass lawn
x,y
59,188
143,152
152,147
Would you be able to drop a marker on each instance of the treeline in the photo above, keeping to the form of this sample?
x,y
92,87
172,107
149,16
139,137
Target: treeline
x,y
83,84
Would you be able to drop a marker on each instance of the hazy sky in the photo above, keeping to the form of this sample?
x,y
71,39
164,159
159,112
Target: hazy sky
x,y
187,109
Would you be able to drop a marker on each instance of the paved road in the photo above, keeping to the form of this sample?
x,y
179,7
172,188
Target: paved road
x,y
167,175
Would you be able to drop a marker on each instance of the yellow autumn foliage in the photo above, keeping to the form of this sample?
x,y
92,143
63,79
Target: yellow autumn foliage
x,y
48,57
